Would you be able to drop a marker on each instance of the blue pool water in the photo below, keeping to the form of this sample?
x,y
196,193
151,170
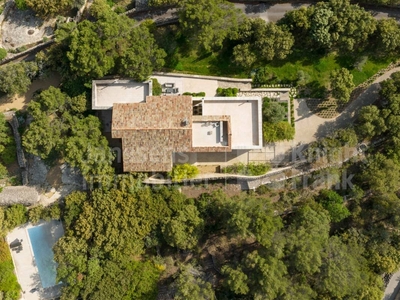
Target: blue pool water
x,y
42,240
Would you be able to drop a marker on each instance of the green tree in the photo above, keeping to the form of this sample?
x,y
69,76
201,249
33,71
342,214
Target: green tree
x,y
208,23
321,25
16,78
59,128
184,171
261,41
88,54
333,203
236,280
191,285
380,173
184,229
126,280
387,36
15,215
3,171
254,217
110,45
48,8
87,149
306,238
98,258
43,136
4,133
346,136
281,131
35,214
136,62
341,273
9,287
3,53
244,56
298,22
342,25
273,112
372,122
266,276
342,84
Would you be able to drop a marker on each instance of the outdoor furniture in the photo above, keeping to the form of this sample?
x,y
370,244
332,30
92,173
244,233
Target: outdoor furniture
x,y
171,90
16,245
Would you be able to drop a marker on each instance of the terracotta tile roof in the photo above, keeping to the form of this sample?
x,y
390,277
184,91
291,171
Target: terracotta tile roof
x,y
152,131
158,112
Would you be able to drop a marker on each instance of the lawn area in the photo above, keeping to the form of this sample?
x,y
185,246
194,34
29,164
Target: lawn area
x,y
9,287
209,64
316,67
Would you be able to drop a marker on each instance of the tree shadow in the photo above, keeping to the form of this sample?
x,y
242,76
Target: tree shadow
x,y
257,8
345,61
314,89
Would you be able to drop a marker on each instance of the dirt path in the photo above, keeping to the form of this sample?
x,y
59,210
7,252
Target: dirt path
x,y
20,102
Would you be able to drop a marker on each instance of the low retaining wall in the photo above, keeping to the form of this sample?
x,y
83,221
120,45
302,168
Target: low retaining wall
x,y
36,48
12,119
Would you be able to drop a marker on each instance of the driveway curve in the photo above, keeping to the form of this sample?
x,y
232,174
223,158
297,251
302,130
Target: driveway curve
x,y
310,127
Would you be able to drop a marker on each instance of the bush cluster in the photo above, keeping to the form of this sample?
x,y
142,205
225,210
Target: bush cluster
x,y
228,92
9,287
251,169
3,53
184,171
292,111
199,94
157,89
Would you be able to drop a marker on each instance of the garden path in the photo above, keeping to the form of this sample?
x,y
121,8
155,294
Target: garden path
x,y
21,101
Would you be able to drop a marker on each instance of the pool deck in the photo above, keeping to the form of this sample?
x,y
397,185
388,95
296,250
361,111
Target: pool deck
x,y
24,263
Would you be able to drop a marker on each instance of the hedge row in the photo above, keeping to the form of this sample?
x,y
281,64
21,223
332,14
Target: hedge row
x,y
251,169
228,92
199,94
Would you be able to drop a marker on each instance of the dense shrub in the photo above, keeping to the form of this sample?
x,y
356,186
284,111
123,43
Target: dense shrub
x,y
15,215
181,172
199,94
281,131
21,4
333,203
157,89
3,53
251,169
228,92
263,76
9,155
163,2
9,287
35,214
292,119
273,112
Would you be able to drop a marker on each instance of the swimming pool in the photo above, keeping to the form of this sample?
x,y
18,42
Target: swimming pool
x,y
42,239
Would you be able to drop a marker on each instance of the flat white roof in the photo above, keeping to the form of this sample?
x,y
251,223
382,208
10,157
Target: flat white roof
x,y
107,92
246,119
